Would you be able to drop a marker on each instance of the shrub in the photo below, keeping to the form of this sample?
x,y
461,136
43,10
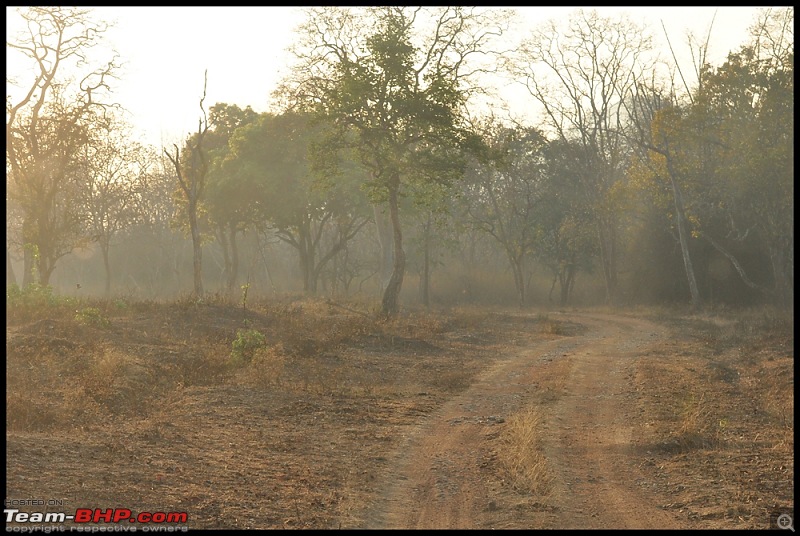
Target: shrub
x,y
35,295
93,317
246,344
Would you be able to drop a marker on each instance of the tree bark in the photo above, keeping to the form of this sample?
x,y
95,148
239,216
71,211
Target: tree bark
x,y
384,234
390,305
680,214
197,250
104,248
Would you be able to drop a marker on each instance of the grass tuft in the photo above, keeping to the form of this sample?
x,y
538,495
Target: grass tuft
x,y
520,454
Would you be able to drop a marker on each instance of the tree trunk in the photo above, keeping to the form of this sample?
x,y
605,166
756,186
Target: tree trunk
x,y
425,281
45,270
783,284
680,214
28,267
104,249
384,234
234,273
607,239
196,250
518,268
390,304
566,285
556,279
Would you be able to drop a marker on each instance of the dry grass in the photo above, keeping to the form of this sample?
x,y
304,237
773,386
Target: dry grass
x,y
721,407
113,359
549,326
699,427
331,377
309,412
520,454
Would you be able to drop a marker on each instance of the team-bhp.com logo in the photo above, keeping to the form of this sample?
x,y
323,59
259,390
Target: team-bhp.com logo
x,y
89,520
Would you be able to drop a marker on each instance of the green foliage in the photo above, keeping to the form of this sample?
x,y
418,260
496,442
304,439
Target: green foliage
x,y
36,295
229,199
246,345
281,172
92,316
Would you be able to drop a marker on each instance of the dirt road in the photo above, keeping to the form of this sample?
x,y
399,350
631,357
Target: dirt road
x,y
583,388
430,421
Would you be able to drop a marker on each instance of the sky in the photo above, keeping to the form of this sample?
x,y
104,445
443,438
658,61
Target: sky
x,y
166,50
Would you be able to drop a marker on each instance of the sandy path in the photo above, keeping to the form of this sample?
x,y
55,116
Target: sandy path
x,y
440,478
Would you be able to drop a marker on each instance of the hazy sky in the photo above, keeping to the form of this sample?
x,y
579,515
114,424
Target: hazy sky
x,y
166,50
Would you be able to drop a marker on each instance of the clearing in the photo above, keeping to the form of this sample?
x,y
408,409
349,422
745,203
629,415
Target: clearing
x,y
466,418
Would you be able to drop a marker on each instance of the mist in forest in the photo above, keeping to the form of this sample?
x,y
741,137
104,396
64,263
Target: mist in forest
x,y
380,179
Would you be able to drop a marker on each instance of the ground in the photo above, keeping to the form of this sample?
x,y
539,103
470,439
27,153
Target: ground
x,y
458,418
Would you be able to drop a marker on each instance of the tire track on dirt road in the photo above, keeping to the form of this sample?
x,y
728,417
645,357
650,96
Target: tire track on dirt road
x,y
441,478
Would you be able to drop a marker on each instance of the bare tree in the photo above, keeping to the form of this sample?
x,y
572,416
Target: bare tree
x,y
191,169
115,171
654,120
47,128
581,73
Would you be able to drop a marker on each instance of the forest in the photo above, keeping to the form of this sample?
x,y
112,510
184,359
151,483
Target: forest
x,y
379,174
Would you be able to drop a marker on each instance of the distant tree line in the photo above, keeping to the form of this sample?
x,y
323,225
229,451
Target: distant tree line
x,y
378,161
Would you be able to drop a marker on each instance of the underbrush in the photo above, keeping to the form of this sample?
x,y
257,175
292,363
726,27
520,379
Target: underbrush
x,y
29,302
79,363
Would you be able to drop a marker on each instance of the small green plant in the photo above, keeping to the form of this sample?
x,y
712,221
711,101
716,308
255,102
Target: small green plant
x,y
92,316
246,344
120,304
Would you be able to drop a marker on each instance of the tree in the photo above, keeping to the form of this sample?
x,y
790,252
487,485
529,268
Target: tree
x,y
270,161
114,168
657,121
47,129
153,239
750,101
506,195
727,155
564,240
191,169
395,83
229,202
592,63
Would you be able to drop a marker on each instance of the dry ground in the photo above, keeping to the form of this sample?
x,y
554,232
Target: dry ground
x,y
463,418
